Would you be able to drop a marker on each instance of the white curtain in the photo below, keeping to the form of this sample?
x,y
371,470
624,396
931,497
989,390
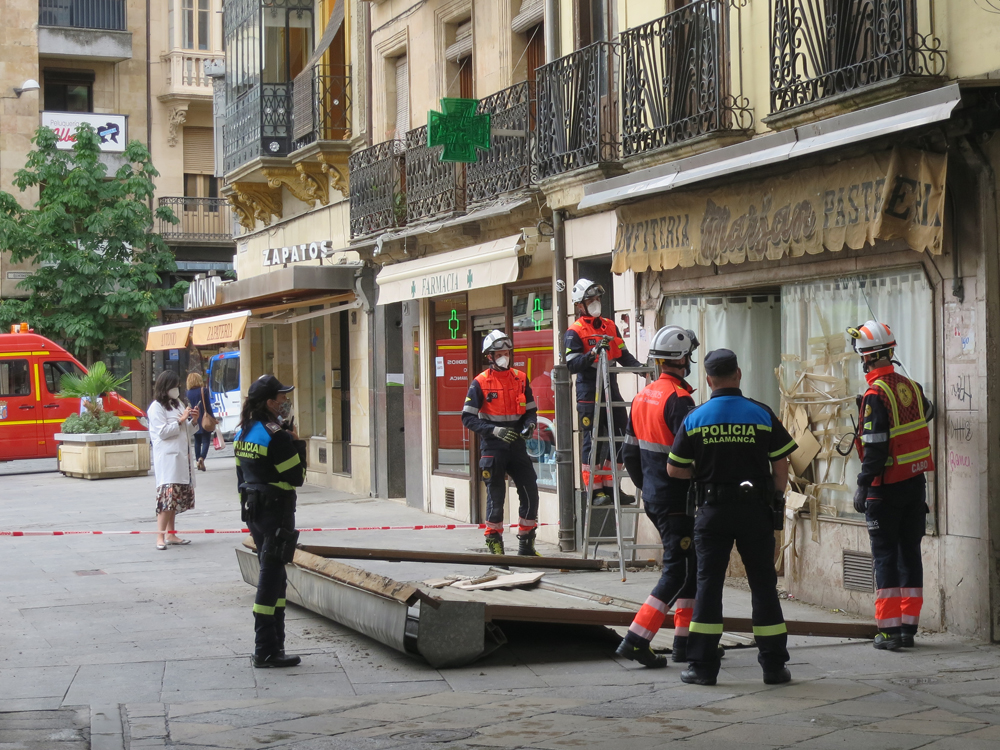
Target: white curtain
x,y
749,325
815,316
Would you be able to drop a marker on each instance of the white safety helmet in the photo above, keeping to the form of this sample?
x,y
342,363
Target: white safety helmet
x,y
672,342
497,341
873,341
585,289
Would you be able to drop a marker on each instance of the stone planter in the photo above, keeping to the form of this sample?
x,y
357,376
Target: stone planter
x,y
105,456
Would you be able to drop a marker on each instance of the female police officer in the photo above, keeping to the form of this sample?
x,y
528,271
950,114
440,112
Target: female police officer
x,y
270,464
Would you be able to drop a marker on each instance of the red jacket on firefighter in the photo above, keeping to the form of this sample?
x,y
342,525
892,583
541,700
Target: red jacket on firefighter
x,y
498,398
894,437
582,337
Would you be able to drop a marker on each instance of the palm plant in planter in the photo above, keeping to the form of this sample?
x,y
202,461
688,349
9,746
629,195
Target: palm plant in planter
x,y
89,389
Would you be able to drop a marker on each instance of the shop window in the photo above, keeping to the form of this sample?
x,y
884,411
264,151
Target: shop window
x,y
262,351
817,358
531,316
340,393
749,324
312,391
451,370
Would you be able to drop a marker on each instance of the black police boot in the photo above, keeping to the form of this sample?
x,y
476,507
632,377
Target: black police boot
x,y
906,638
888,641
494,543
700,674
275,659
526,544
624,498
679,653
777,676
601,498
642,654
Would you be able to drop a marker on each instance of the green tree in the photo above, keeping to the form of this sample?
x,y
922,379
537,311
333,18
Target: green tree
x,y
98,281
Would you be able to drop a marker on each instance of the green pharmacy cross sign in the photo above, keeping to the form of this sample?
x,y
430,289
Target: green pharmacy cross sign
x,y
459,129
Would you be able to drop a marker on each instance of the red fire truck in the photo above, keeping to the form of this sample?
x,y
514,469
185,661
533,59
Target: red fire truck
x,y
31,414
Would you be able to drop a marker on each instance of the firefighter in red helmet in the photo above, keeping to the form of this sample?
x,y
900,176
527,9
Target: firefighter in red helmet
x,y
894,445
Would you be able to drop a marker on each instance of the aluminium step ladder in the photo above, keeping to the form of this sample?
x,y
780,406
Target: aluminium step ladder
x,y
626,540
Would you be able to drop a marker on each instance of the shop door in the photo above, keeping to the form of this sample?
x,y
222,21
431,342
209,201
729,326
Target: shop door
x,y
414,453
481,326
19,411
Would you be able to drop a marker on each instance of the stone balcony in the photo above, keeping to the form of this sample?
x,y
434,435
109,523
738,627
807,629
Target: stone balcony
x,y
184,76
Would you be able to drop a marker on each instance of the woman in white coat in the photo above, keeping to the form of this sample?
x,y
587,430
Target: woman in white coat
x,y
171,425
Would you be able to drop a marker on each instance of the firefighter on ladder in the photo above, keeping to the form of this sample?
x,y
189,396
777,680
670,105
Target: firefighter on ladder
x,y
657,415
501,409
894,444
585,339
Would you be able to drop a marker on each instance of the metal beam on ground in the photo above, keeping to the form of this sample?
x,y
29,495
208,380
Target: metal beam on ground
x,y
458,558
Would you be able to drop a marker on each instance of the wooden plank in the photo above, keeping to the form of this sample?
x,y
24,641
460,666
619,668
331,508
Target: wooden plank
x,y
512,581
458,558
619,617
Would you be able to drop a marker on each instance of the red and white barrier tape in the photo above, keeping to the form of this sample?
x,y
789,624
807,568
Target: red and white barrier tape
x,y
423,527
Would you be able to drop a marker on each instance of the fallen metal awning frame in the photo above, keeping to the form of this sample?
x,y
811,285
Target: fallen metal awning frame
x,y
458,558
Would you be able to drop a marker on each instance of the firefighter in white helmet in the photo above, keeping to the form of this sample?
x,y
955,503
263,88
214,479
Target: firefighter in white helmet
x,y
502,410
585,339
894,444
657,415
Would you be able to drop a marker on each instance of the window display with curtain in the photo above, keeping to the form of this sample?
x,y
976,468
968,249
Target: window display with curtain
x,y
749,324
451,373
531,313
311,395
821,374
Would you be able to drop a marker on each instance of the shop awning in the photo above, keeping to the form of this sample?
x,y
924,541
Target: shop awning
x,y
220,329
455,272
871,122
170,336
294,286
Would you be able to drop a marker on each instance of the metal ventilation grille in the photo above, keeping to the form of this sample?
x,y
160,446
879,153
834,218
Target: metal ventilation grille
x,y
322,455
449,498
859,571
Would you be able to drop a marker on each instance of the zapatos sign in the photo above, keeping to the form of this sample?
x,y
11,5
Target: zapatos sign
x,y
279,256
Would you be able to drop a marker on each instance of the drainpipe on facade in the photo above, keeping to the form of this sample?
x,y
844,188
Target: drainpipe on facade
x,y
565,484
551,30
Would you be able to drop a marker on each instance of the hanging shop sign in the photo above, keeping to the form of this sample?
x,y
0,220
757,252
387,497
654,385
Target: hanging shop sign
x,y
279,256
110,129
220,329
202,292
897,194
171,336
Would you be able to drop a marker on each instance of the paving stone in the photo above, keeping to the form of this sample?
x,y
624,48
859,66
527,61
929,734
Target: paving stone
x,y
238,718
378,688
770,735
251,737
105,719
910,725
852,739
394,711
116,683
214,674
35,682
106,742
147,728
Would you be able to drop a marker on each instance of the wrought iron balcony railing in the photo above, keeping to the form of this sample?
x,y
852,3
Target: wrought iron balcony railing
x,y
378,201
258,124
821,48
321,105
104,15
433,187
202,220
509,164
676,79
577,110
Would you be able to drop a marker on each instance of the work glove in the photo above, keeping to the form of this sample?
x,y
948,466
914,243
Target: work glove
x,y
505,433
528,431
861,499
604,343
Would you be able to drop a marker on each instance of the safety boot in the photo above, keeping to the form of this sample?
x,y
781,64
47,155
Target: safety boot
x,y
642,654
273,660
888,641
679,651
906,639
624,498
526,544
777,676
601,497
494,543
700,674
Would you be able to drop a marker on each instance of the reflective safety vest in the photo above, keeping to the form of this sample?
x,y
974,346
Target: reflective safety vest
x,y
503,395
909,437
647,415
591,335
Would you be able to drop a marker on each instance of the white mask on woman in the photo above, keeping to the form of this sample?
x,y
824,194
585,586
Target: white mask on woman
x,y
174,393
594,308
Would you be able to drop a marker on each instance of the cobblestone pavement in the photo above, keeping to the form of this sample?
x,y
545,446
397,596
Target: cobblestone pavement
x,y
110,643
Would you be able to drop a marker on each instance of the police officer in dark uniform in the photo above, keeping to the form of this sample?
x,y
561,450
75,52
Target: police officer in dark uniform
x,y
895,447
657,414
736,451
501,409
270,464
586,338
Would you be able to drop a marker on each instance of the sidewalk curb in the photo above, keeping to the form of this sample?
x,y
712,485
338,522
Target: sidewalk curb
x,y
106,727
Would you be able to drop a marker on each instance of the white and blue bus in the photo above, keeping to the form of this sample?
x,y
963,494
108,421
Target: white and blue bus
x,y
224,387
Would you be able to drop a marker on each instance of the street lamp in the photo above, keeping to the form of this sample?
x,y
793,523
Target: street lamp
x,y
30,85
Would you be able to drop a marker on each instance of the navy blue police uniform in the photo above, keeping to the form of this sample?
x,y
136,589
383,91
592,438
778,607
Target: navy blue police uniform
x,y
582,340
729,443
657,415
270,464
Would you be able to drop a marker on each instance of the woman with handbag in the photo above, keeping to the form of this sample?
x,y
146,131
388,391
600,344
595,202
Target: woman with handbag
x,y
171,424
199,398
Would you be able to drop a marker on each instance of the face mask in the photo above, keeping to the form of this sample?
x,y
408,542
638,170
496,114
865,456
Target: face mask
x,y
502,362
174,393
285,409
594,308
